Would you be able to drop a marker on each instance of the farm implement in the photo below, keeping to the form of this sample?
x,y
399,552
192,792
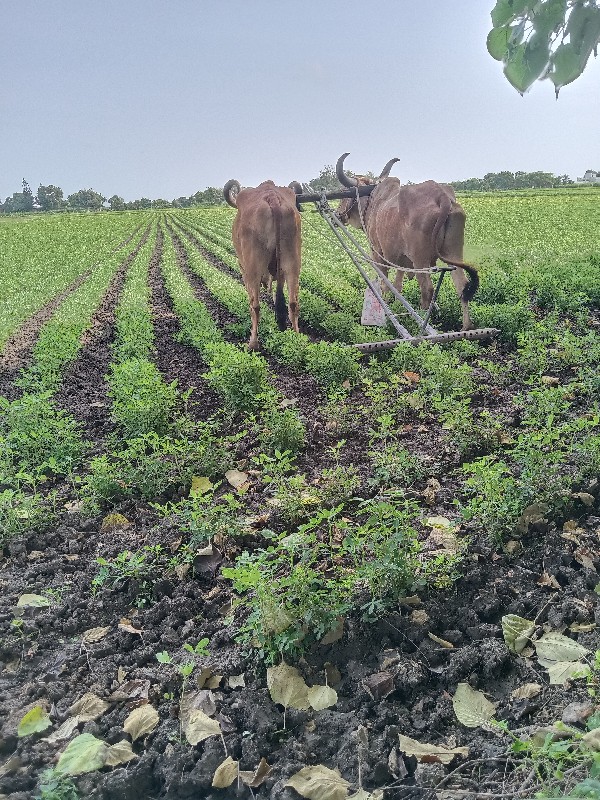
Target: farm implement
x,y
375,307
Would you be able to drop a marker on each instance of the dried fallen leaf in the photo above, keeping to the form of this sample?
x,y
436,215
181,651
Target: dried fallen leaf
x,y
213,682
225,773
559,672
439,641
119,753
585,557
236,681
581,627
287,687
32,601
472,708
419,617
548,580
132,690
334,676
412,377
553,647
13,764
200,700
141,721
65,730
197,727
592,740
319,783
88,707
321,697
335,633
94,634
429,753
237,479
517,631
203,676
440,522
526,691
586,498
258,777
125,625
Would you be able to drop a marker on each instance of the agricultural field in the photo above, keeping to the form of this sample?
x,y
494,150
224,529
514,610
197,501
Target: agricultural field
x,y
221,568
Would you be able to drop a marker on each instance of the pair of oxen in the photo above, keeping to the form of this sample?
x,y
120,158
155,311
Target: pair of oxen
x,y
408,226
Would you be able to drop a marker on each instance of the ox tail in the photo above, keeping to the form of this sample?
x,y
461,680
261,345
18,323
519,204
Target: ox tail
x,y
280,306
473,285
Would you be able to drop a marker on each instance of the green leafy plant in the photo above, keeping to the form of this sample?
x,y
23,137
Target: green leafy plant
x,y
141,401
55,786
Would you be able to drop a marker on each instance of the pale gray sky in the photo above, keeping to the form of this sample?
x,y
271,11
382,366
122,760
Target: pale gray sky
x,y
158,98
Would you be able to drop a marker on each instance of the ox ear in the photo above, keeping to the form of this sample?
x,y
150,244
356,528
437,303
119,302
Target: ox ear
x,y
297,187
230,192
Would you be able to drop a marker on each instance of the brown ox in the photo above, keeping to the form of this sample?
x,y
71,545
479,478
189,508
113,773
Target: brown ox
x,y
412,226
267,240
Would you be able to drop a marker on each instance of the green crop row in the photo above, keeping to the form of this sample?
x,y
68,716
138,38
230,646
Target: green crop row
x,y
60,338
42,255
39,442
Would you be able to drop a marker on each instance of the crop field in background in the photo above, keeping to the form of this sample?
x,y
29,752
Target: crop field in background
x,y
177,513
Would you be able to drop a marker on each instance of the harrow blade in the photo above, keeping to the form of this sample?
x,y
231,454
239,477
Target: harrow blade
x,y
453,336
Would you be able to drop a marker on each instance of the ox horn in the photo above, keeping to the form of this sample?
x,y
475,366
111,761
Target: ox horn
x,y
345,180
386,170
230,191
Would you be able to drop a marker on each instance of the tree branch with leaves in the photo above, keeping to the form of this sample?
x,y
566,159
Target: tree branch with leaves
x,y
538,39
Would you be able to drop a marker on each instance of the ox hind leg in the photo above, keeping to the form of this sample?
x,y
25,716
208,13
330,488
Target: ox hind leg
x,y
252,272
254,298
460,281
290,268
452,248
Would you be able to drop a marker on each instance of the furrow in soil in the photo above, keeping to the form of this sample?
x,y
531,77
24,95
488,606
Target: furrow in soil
x,y
175,360
83,391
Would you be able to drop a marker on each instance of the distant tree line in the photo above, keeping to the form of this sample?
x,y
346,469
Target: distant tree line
x,y
51,198
499,181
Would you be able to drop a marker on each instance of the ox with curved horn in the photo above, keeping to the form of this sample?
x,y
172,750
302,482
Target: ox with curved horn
x,y
350,181
411,227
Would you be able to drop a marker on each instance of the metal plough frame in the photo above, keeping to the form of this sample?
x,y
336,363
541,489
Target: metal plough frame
x,y
360,257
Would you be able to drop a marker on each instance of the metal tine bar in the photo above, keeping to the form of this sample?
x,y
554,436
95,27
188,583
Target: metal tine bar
x,y
388,344
414,314
387,310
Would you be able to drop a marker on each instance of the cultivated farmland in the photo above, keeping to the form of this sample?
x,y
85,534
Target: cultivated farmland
x,y
184,524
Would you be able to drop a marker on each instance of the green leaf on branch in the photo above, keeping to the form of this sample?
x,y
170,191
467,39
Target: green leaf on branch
x,y
549,17
566,66
497,42
526,63
507,10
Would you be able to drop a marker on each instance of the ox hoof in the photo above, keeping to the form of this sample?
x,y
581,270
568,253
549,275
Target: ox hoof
x,y
253,346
